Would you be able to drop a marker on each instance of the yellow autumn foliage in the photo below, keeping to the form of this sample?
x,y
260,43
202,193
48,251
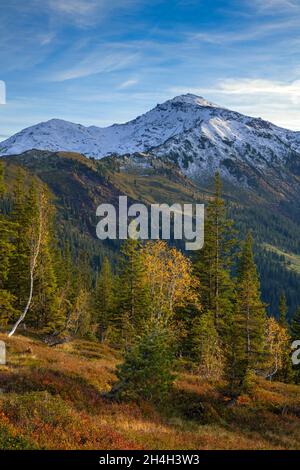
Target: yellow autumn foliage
x,y
171,281
277,342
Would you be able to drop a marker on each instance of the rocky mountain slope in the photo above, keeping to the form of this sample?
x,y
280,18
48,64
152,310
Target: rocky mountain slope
x,y
196,134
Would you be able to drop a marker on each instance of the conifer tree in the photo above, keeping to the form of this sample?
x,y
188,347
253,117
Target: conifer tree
x,y
245,328
132,291
295,336
147,370
285,372
79,320
65,277
79,317
37,296
213,268
23,217
251,310
206,346
74,300
295,325
236,364
283,310
44,312
215,259
104,300
6,252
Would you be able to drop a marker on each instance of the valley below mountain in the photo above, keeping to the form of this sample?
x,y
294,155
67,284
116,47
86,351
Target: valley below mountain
x,y
79,184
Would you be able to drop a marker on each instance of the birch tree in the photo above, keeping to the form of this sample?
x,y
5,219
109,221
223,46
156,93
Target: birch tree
x,y
36,233
170,278
277,343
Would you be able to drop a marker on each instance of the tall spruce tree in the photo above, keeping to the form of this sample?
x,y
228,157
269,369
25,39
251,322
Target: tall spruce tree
x,y
283,310
251,310
104,300
295,335
23,217
295,325
285,373
215,259
79,320
245,328
32,277
44,313
6,253
74,298
65,277
217,291
133,299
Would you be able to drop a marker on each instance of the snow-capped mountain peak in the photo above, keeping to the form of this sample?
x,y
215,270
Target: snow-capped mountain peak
x,y
198,135
143,133
190,98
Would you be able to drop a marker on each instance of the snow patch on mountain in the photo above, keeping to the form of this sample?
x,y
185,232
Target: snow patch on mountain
x,y
143,133
198,135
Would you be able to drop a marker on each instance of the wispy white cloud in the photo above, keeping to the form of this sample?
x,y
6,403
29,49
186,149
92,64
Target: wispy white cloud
x,y
253,33
275,5
46,38
76,7
87,58
87,12
109,44
128,83
80,12
276,101
248,86
104,59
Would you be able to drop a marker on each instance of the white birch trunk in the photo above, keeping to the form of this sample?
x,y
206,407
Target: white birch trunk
x,y
36,244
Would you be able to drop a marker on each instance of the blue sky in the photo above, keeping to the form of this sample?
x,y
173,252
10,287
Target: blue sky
x,y
103,61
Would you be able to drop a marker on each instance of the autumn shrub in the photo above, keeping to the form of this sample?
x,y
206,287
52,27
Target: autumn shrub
x,y
24,408
10,440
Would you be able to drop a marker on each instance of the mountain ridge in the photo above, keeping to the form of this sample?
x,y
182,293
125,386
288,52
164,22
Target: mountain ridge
x,y
199,136
94,134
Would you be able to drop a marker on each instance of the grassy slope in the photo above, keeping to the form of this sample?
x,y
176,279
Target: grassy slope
x,y
291,260
51,398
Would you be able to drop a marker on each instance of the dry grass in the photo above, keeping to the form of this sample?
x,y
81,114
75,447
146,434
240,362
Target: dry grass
x,y
52,398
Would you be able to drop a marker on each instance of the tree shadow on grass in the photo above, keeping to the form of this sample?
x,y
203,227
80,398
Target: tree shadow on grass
x,y
70,387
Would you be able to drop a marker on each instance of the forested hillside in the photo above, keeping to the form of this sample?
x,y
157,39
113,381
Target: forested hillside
x,y
78,185
167,326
